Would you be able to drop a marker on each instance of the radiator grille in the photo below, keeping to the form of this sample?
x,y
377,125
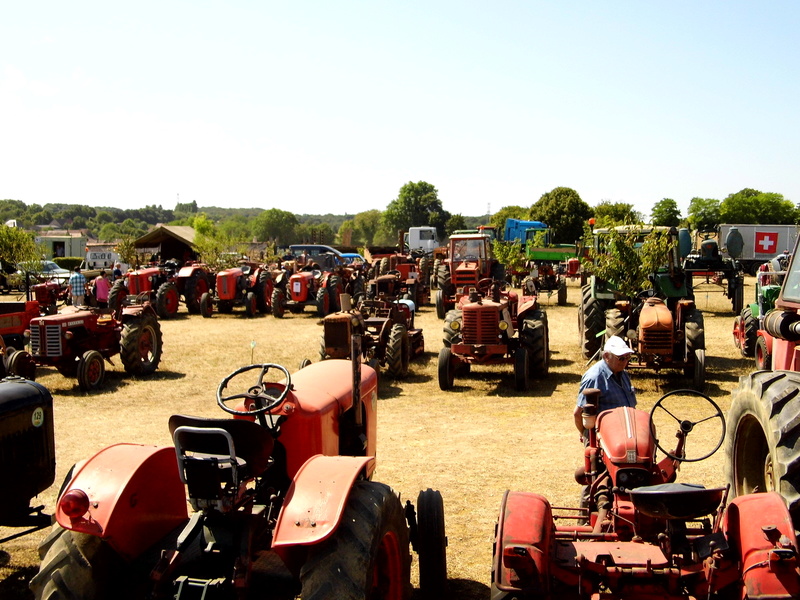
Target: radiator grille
x,y
46,340
480,326
656,342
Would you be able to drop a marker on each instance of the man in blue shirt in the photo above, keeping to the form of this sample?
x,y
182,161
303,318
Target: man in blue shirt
x,y
77,287
608,375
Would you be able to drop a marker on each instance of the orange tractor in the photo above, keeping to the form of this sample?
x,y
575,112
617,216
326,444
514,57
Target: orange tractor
x,y
282,497
638,533
164,286
249,285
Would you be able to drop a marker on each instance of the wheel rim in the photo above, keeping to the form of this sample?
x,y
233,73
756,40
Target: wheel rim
x,y
94,372
172,301
147,344
752,462
387,579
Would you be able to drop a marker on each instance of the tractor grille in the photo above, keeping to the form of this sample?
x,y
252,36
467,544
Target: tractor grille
x,y
337,336
480,326
48,344
463,278
655,341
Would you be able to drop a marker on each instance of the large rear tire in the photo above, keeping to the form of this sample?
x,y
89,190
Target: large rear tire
x,y
167,300
615,323
763,437
398,351
431,545
278,308
264,289
140,350
367,557
194,288
535,337
117,295
591,321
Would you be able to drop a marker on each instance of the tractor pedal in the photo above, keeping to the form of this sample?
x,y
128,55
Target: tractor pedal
x,y
189,588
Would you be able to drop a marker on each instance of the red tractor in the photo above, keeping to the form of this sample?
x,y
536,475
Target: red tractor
x,y
638,533
282,503
78,341
469,261
309,286
249,285
491,326
403,281
164,286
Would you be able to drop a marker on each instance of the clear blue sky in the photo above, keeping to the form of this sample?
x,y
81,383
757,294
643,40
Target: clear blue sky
x,y
332,106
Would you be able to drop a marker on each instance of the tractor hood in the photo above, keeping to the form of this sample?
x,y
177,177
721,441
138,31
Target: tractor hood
x,y
624,435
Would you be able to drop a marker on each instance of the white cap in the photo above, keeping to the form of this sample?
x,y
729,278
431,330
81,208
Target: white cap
x,y
617,346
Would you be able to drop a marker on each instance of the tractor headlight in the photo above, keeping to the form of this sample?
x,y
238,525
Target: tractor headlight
x,y
503,325
455,325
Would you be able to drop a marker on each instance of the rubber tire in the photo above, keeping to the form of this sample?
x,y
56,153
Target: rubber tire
x,y
446,369
443,277
535,337
424,269
21,363
141,345
194,288
435,274
91,371
522,369
737,302
750,329
324,306
431,545
206,305
278,298
117,295
763,357
250,305
450,334
695,340
398,351
167,300
699,373
763,435
343,565
440,310
615,323
335,288
77,565
264,288
591,322
562,292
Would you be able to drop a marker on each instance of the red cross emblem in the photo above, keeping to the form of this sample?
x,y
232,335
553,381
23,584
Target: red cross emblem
x,y
766,242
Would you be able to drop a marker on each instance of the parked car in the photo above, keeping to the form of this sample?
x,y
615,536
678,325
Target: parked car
x,y
45,270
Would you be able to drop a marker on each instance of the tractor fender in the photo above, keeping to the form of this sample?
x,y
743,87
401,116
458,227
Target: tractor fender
x,y
135,497
523,545
755,524
528,304
316,498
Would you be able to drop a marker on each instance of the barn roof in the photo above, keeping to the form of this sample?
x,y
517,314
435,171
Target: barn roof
x,y
181,233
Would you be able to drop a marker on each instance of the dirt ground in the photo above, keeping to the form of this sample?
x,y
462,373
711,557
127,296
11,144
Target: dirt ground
x,y
472,443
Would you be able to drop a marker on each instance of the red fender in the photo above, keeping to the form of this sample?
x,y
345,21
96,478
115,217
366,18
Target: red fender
x,y
316,498
523,544
755,524
135,497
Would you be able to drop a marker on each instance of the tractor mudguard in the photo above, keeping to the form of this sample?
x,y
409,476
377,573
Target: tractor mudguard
x,y
524,544
316,499
760,528
135,497
528,304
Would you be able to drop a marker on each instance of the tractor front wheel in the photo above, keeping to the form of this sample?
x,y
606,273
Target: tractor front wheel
x,y
398,351
140,350
447,372
562,291
167,300
763,437
278,298
195,286
762,355
536,338
206,305
323,302
264,289
367,557
21,363
439,299
451,334
431,544
91,371
250,306
748,330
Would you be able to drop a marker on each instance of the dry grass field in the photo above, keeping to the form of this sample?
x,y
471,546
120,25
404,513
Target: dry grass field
x,y
472,443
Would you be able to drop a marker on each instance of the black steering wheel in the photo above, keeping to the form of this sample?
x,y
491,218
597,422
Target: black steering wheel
x,y
484,285
686,426
264,394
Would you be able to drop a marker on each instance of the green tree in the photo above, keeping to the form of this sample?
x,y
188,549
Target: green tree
x,y
416,204
666,212
275,225
751,206
498,219
219,251
455,223
609,214
126,249
345,233
235,227
17,245
365,225
704,214
564,212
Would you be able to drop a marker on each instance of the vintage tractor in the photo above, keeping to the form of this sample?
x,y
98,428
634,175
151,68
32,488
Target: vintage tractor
x,y
469,261
249,285
78,341
314,284
405,281
710,267
746,325
492,326
282,503
389,338
638,533
165,284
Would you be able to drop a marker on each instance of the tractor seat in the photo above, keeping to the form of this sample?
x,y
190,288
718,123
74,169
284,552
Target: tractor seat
x,y
676,500
198,439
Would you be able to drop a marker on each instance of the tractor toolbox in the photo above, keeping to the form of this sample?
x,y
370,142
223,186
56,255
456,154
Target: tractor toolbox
x,y
27,445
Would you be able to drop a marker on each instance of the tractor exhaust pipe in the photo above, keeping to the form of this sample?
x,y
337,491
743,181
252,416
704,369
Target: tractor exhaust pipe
x,y
346,302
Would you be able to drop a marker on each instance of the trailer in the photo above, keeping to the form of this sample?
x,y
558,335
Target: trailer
x,y
762,243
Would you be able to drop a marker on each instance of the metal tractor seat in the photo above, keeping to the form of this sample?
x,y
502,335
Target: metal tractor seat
x,y
216,456
676,500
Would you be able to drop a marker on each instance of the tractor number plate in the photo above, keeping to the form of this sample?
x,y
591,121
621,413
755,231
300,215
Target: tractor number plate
x,y
296,287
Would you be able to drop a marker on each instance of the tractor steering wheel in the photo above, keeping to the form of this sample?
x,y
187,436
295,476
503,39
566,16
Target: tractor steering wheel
x,y
685,426
484,285
264,395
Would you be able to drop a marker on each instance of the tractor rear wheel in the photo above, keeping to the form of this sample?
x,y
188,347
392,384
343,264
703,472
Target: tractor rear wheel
x,y
446,368
206,305
699,374
117,295
440,310
383,266
536,338
522,369
443,277
250,306
334,289
167,300
140,350
762,355
195,286
91,371
278,297
323,302
748,330
562,291
398,351
431,544
763,437
264,291
78,565
591,319
615,323
367,557
425,269
451,334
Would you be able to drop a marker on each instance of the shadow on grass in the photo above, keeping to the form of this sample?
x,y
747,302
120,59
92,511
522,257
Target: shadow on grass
x,y
463,589
115,381
15,584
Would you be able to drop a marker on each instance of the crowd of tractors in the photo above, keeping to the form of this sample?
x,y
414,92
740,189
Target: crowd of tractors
x,y
276,499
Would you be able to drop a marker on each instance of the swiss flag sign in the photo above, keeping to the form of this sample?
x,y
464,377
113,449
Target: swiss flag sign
x,y
766,242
